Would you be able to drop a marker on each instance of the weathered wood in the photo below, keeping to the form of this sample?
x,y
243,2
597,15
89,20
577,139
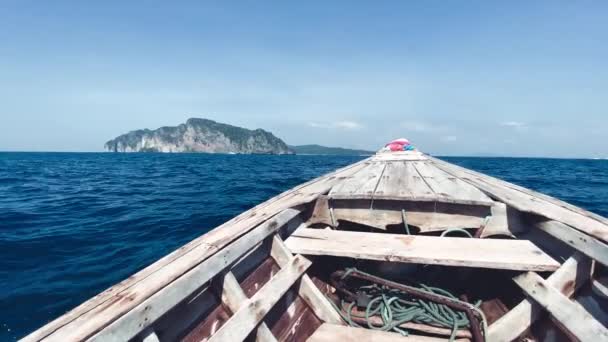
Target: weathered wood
x,y
307,289
161,301
575,272
449,251
203,247
584,243
254,309
402,181
448,187
330,332
497,223
570,316
531,202
234,297
361,184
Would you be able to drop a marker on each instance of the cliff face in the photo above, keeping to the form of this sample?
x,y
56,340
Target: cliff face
x,y
199,135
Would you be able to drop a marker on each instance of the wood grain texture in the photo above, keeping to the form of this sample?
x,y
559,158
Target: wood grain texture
x,y
253,311
161,301
573,274
450,251
584,243
529,201
570,316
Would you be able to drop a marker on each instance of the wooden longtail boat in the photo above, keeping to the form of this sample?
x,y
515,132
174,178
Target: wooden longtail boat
x,y
397,244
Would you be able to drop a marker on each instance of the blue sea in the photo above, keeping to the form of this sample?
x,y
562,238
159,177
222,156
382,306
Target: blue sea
x,y
73,224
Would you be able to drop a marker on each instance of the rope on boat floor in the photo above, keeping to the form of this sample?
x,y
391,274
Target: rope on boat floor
x,y
396,307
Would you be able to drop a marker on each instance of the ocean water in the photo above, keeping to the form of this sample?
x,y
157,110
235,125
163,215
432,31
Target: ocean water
x,y
73,224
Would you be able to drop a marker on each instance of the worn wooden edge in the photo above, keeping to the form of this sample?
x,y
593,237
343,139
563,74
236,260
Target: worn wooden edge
x,y
331,332
557,210
570,316
122,322
583,243
398,248
574,273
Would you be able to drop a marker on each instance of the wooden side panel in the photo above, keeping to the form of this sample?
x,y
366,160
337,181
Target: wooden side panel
x,y
531,202
450,251
571,316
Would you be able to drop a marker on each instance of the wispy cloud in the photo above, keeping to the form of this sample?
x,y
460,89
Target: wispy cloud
x,y
514,124
344,125
421,126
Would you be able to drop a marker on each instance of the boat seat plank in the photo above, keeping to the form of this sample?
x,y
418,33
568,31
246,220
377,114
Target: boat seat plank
x,y
574,273
570,315
330,332
251,313
519,255
448,187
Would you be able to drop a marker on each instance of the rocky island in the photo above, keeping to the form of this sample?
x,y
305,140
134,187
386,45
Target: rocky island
x,y
199,135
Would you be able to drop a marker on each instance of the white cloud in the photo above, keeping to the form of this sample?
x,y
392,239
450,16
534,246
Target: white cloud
x,y
421,126
514,124
344,125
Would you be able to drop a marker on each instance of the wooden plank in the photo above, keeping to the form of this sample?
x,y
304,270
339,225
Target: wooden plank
x,y
497,223
254,309
330,332
203,246
450,251
571,316
448,187
426,221
402,181
161,301
573,274
361,185
583,243
234,297
307,289
531,202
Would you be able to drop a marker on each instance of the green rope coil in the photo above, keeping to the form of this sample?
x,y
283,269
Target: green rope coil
x,y
395,307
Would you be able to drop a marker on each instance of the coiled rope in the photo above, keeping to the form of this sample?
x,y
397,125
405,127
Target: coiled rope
x,y
396,307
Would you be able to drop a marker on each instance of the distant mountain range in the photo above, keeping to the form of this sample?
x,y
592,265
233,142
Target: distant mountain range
x,y
323,150
208,136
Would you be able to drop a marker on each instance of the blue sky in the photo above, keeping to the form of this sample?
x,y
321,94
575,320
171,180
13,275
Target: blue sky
x,y
516,78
